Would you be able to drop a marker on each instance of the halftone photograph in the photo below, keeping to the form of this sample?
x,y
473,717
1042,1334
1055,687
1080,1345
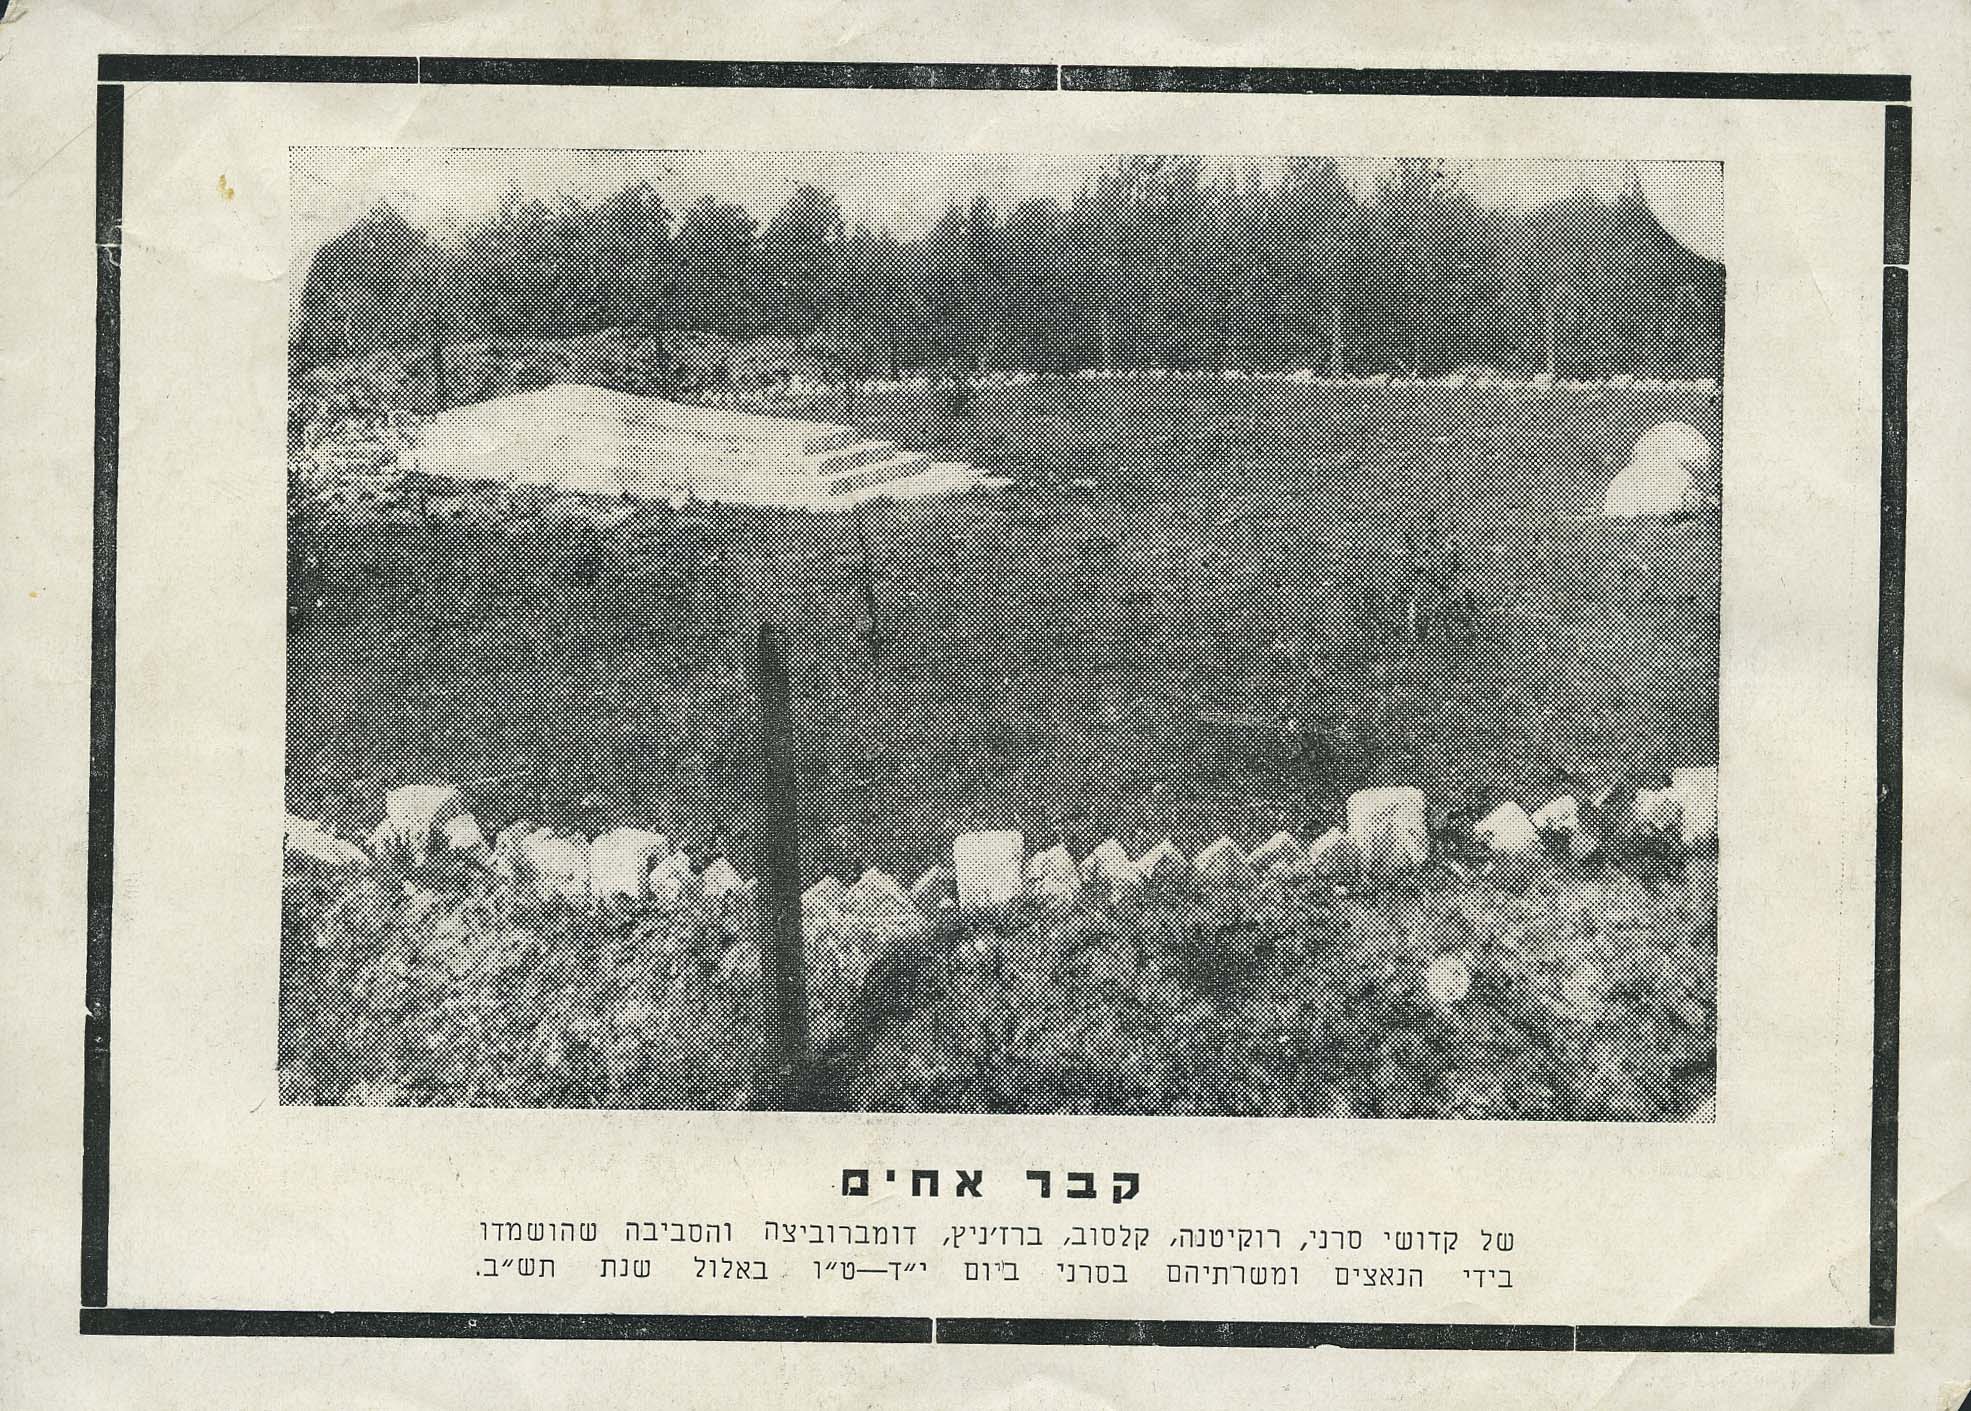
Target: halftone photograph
x,y
1141,634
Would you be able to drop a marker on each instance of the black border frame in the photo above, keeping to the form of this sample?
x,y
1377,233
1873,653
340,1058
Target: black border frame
x,y
1875,1336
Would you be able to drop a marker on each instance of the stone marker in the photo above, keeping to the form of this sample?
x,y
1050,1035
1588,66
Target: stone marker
x,y
1559,818
991,868
559,866
1697,791
309,839
823,898
1052,877
1660,811
412,815
720,882
1222,862
1662,476
1281,856
1162,863
670,882
1110,866
1390,829
876,899
1562,826
463,834
1507,830
620,862
1331,855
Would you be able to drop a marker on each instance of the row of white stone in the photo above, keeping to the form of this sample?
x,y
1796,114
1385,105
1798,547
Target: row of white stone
x,y
1302,376
1387,834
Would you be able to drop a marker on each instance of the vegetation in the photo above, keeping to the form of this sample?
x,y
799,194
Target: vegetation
x,y
1185,608
1155,262
1182,620
1588,995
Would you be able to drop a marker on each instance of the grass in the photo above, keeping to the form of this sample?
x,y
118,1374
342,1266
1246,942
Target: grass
x,y
1157,631
1171,623
1586,996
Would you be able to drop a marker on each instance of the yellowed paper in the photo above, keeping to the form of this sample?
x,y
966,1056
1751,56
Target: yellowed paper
x,y
935,1255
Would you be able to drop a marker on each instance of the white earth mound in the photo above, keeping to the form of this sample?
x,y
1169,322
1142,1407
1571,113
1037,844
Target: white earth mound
x,y
1664,476
595,441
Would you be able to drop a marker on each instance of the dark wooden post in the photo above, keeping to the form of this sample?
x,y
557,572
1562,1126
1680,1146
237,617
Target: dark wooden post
x,y
780,872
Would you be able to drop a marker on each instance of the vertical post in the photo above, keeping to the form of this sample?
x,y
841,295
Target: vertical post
x,y
780,874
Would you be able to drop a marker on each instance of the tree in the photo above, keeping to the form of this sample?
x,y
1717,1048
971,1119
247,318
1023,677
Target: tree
x,y
634,229
1156,261
800,262
716,271
373,286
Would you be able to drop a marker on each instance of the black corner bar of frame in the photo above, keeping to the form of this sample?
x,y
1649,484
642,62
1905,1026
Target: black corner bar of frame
x,y
1416,1337
1490,83
99,878
620,73
256,68
544,1327
1895,185
696,73
1012,77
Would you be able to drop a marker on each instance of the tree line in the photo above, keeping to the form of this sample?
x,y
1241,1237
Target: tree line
x,y
1154,262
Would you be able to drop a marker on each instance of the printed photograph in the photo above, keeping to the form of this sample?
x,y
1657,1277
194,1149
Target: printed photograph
x,y
1143,634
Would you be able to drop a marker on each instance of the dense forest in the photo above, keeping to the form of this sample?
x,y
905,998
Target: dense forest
x,y
1154,262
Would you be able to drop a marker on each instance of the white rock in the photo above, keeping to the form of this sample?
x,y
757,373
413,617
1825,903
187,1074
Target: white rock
x,y
1052,877
1281,856
1679,441
1163,863
991,867
1223,862
620,862
1565,822
1110,866
306,838
876,897
463,834
509,845
1448,979
1507,830
671,882
823,898
1697,792
1660,811
1662,477
412,816
720,881
1390,829
1560,819
1331,855
558,865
